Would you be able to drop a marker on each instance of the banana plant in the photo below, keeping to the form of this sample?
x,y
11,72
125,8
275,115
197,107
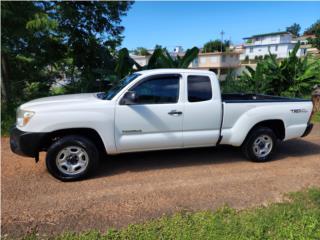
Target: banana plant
x,y
182,62
125,63
160,58
292,76
255,79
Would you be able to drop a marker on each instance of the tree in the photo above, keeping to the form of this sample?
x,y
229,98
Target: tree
x,y
314,29
93,31
43,40
294,29
17,55
316,41
141,51
215,46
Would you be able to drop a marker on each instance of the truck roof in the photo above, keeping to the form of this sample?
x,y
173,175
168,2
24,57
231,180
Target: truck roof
x,y
174,70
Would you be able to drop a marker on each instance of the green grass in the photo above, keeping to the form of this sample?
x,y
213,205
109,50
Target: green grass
x,y
316,117
8,117
6,123
296,218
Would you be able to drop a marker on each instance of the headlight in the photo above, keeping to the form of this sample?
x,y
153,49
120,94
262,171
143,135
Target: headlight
x,y
23,117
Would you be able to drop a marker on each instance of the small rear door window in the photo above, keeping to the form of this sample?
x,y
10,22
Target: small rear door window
x,y
199,88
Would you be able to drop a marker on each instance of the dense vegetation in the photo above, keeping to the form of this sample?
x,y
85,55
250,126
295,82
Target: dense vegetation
x,y
296,218
314,29
141,51
216,46
294,29
42,40
293,76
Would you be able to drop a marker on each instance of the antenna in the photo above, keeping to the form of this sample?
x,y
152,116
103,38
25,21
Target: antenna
x,y
221,33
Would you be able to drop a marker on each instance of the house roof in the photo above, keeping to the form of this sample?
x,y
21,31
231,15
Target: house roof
x,y
267,34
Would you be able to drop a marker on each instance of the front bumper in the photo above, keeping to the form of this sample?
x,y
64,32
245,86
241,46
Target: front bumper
x,y
25,143
308,130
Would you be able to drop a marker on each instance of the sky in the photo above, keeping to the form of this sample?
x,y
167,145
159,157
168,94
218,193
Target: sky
x,y
189,24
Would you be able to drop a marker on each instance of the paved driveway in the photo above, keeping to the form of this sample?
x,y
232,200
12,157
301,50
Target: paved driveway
x,y
136,187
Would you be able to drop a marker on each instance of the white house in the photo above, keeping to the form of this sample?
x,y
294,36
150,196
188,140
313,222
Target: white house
x,y
277,43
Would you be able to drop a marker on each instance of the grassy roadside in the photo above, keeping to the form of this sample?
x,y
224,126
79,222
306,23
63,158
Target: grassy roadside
x,y
316,118
296,218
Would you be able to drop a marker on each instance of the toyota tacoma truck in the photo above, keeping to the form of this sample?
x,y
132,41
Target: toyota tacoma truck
x,y
154,110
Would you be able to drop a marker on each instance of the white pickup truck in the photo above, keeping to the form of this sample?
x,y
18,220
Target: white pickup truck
x,y
153,110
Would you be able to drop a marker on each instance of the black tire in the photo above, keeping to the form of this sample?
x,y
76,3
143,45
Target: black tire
x,y
67,143
249,148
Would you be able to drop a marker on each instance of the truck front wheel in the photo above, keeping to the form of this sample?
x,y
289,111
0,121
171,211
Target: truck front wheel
x,y
259,144
72,158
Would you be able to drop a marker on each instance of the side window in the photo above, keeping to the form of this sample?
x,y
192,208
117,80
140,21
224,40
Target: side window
x,y
199,88
158,90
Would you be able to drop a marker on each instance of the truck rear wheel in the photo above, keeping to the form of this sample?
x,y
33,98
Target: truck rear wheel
x,y
260,144
72,158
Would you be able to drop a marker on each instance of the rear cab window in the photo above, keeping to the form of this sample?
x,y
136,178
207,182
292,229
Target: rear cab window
x,y
199,88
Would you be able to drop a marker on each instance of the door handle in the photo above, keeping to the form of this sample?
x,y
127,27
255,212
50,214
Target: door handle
x,y
174,112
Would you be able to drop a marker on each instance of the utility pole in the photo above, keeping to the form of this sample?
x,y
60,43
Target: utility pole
x,y
221,33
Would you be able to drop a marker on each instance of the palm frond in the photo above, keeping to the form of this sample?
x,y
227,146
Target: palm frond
x,y
189,56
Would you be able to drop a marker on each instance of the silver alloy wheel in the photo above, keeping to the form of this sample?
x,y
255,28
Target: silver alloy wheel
x,y
262,146
72,160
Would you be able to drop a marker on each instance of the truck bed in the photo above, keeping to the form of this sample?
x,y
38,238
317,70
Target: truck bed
x,y
241,110
242,97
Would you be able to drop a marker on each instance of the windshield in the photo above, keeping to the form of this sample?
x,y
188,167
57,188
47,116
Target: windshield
x,y
120,85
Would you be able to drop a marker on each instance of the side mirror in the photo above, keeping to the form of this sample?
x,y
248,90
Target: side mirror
x,y
129,98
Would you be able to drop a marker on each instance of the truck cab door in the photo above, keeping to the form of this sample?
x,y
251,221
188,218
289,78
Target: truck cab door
x,y
202,111
152,118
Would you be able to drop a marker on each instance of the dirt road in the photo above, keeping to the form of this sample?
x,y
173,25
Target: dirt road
x,y
136,187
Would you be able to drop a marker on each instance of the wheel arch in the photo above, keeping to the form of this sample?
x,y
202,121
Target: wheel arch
x,y
89,133
276,125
